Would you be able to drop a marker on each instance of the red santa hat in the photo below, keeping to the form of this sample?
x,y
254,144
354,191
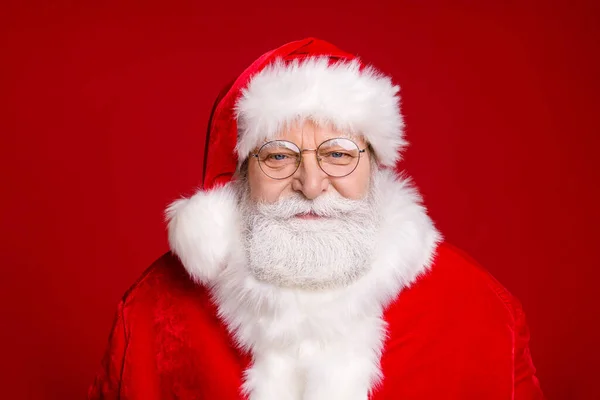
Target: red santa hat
x,y
306,79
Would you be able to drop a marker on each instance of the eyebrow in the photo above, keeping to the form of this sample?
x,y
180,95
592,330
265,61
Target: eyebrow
x,y
354,138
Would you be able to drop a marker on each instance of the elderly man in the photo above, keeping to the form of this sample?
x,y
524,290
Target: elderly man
x,y
306,269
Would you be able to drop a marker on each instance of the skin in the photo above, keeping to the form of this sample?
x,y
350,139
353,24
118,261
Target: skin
x,y
309,179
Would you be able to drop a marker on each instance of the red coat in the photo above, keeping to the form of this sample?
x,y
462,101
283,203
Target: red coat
x,y
456,333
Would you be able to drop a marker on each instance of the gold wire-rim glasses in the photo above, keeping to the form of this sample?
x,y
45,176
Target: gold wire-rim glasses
x,y
295,149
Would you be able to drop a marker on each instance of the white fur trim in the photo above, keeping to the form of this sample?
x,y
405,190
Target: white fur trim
x,y
359,102
202,231
325,344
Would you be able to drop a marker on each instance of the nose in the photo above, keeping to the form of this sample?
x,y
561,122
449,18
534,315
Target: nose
x,y
309,179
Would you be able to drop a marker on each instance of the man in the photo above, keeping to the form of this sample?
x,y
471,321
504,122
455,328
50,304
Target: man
x,y
306,268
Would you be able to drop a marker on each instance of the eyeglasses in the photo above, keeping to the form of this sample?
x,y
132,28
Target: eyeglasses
x,y
280,159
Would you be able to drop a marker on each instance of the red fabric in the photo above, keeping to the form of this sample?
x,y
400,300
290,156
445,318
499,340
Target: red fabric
x,y
220,161
456,333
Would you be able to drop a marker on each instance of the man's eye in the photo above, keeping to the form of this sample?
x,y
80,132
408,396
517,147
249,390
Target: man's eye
x,y
278,157
336,154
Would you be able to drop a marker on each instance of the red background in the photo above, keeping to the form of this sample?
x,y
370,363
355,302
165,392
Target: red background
x,y
103,114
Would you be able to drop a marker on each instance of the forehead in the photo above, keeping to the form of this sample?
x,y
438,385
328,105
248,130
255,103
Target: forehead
x,y
309,133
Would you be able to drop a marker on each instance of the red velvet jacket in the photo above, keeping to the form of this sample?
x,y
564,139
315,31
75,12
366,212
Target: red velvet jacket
x,y
456,333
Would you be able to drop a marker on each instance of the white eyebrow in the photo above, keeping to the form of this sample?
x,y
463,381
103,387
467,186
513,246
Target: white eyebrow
x,y
278,143
345,143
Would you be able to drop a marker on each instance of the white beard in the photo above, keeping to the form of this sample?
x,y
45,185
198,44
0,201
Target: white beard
x,y
328,252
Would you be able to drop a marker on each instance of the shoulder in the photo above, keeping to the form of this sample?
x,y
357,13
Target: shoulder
x,y
455,331
457,305
455,308
168,335
168,313
456,286
163,275
164,289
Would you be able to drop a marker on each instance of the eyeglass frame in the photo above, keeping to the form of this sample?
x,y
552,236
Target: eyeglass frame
x,y
302,151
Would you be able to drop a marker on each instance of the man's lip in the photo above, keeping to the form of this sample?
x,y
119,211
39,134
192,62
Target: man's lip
x,y
309,215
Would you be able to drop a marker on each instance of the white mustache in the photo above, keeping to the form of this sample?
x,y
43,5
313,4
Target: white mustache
x,y
330,205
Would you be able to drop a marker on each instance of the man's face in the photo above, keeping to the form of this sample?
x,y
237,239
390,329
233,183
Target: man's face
x,y
310,230
310,180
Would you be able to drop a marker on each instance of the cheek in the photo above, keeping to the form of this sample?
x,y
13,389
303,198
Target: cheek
x,y
356,185
263,188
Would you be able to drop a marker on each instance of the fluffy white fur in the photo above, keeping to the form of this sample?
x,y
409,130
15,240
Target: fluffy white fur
x,y
359,102
203,231
309,345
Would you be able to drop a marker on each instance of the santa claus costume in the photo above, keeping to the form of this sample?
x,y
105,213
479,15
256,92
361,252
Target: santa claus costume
x,y
420,321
